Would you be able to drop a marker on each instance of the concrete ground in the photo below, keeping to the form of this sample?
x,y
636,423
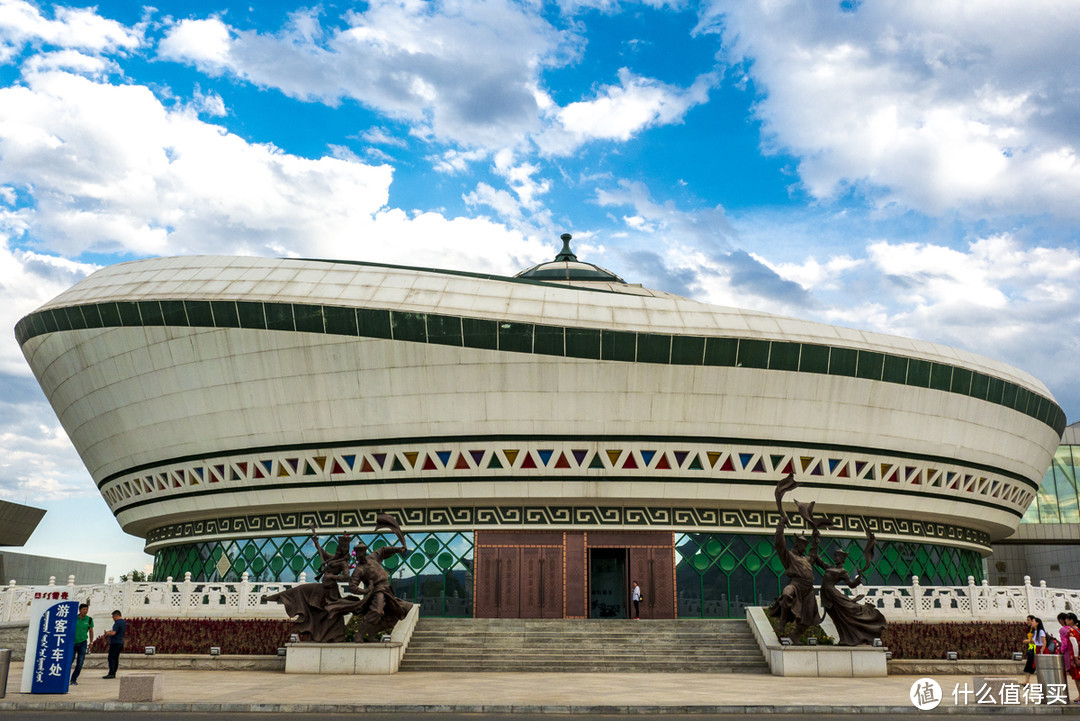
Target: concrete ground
x,y
551,693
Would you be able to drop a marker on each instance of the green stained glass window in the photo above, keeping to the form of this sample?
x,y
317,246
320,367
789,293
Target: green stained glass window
x,y
198,313
814,358
549,340
516,337
582,343
870,365
753,353
618,345
340,321
784,356
444,329
479,333
721,351
687,350
843,361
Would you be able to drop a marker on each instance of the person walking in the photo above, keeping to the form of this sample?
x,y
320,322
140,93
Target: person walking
x,y
1036,644
1070,646
635,596
84,636
116,642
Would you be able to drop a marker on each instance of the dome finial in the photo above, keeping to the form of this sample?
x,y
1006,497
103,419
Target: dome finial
x,y
566,254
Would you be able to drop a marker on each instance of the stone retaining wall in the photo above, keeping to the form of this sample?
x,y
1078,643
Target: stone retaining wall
x,y
967,667
13,636
189,662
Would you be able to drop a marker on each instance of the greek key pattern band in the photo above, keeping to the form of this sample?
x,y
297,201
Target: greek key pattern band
x,y
705,519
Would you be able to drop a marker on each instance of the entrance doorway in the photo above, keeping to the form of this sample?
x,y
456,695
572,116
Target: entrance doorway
x,y
607,583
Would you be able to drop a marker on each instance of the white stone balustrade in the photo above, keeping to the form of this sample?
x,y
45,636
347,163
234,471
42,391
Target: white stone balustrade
x,y
971,602
242,599
156,599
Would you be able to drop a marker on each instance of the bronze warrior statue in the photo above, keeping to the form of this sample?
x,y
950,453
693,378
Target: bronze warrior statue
x,y
797,602
320,609
856,623
379,608
311,603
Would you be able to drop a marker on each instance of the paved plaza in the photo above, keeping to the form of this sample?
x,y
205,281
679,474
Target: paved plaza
x,y
553,693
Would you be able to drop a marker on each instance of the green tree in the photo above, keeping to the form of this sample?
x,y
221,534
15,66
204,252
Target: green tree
x,y
135,575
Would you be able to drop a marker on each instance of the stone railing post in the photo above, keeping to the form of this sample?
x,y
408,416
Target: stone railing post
x,y
1029,597
1044,596
973,599
52,581
127,598
303,577
185,593
243,589
916,595
9,607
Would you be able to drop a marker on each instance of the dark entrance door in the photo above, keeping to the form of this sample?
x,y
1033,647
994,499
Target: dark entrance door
x,y
654,569
515,580
607,583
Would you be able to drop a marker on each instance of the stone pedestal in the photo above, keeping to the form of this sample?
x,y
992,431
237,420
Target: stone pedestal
x,y
142,687
343,658
814,661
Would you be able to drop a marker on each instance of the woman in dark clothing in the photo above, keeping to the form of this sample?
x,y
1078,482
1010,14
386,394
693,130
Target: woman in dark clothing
x,y
1036,643
856,623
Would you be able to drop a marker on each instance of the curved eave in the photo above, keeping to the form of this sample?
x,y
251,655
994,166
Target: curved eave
x,y
423,290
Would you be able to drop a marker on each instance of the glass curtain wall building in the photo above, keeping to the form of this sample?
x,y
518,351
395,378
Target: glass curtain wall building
x,y
1046,545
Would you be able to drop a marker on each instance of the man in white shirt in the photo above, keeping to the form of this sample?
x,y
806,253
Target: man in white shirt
x,y
635,596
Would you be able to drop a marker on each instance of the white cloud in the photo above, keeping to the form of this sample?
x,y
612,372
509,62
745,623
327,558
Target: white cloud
x,y
810,273
619,112
707,229
501,201
37,460
455,161
203,42
28,280
926,104
463,72
381,136
209,103
80,28
72,60
519,176
110,169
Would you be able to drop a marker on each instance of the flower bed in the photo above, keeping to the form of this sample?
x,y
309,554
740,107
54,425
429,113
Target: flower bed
x,y
196,635
970,639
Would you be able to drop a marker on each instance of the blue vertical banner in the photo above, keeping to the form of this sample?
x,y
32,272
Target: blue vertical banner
x,y
50,645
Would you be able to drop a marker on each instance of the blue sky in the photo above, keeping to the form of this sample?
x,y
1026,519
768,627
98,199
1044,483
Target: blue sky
x,y
904,166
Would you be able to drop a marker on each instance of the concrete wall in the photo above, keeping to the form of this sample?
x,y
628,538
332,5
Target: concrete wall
x,y
1057,564
1044,551
29,570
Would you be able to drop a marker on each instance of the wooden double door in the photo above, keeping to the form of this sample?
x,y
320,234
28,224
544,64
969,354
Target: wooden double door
x,y
519,582
554,574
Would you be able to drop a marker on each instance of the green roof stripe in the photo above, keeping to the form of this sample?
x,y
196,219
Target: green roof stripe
x,y
595,343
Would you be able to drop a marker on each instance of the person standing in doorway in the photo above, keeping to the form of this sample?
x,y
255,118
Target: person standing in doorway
x,y
84,636
635,596
116,642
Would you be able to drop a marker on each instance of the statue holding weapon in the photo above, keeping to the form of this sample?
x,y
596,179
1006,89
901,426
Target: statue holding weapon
x,y
379,608
797,602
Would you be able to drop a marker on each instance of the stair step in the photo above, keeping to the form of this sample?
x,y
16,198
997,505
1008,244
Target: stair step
x,y
576,645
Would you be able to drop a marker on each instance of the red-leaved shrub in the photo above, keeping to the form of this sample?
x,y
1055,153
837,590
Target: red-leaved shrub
x,y
196,635
970,639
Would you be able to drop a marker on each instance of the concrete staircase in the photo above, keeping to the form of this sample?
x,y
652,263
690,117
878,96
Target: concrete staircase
x,y
690,645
